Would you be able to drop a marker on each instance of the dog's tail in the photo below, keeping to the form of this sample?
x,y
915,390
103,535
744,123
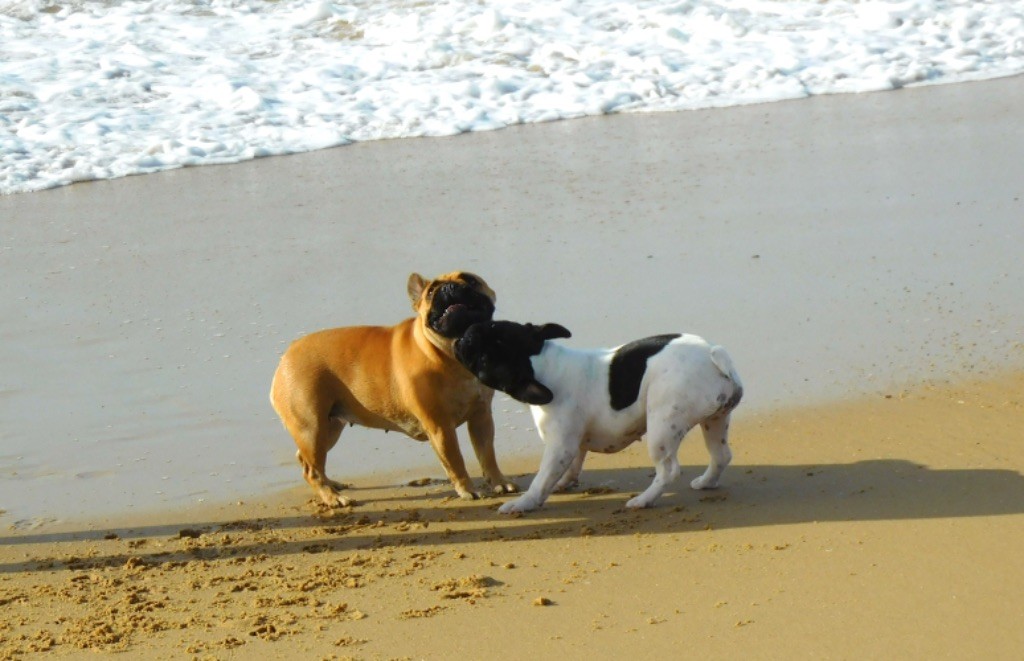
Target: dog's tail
x,y
721,360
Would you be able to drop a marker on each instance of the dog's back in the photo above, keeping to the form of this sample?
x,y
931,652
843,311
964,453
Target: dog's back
x,y
689,372
337,367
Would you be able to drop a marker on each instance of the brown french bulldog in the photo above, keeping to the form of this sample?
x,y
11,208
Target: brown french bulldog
x,y
397,378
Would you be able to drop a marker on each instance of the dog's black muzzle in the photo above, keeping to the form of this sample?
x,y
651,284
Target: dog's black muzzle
x,y
456,307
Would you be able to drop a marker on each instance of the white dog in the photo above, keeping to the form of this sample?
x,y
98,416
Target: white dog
x,y
602,400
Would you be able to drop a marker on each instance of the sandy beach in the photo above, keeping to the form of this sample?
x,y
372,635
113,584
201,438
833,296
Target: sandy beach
x,y
858,255
881,527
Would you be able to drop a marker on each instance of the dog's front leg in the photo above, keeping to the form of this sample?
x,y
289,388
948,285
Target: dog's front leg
x,y
559,454
446,445
481,434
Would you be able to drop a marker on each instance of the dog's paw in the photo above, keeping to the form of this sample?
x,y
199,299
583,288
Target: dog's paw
x,y
467,495
568,485
332,498
516,506
505,487
702,482
638,503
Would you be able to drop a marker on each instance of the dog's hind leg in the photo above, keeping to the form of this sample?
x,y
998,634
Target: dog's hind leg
x,y
716,438
314,425
313,442
663,439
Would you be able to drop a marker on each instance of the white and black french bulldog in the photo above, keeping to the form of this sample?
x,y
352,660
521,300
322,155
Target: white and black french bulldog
x,y
602,400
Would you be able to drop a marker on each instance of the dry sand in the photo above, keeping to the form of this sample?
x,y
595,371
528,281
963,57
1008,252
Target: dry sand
x,y
858,255
883,527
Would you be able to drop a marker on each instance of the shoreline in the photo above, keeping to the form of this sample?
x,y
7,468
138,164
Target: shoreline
x,y
429,477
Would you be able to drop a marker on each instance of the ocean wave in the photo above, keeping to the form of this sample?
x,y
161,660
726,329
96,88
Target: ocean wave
x,y
96,90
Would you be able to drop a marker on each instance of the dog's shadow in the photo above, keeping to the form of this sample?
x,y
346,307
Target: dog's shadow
x,y
759,496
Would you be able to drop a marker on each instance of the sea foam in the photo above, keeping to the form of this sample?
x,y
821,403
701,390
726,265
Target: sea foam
x,y
95,90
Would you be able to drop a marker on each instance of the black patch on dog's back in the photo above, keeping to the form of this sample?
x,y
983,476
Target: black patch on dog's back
x,y
628,366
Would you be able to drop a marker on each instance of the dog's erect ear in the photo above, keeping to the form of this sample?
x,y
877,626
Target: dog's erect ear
x,y
534,393
553,331
415,288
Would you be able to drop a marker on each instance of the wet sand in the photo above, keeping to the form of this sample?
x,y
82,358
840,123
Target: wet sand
x,y
858,256
835,245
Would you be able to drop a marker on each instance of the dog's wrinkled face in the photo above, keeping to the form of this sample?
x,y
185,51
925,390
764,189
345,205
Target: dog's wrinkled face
x,y
452,302
498,354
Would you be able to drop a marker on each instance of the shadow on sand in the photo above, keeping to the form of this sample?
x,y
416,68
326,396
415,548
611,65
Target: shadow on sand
x,y
759,496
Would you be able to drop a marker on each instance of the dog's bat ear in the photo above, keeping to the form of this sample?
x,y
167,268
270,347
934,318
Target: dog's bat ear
x,y
417,283
534,393
553,331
